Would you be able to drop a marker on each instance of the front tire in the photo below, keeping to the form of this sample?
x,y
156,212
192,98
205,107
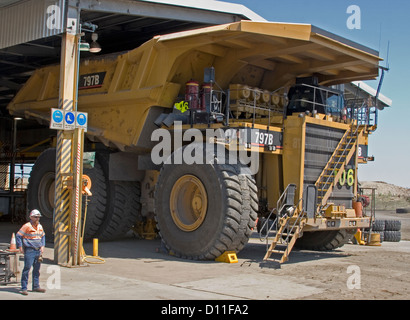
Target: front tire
x,y
203,210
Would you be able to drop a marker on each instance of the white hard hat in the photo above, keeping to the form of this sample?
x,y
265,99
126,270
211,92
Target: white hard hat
x,y
35,213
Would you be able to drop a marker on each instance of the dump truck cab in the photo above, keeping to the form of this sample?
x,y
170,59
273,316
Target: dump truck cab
x,y
307,95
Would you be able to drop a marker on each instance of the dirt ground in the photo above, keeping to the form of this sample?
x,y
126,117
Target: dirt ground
x,y
384,271
134,269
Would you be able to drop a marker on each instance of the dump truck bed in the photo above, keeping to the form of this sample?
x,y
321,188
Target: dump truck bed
x,y
122,93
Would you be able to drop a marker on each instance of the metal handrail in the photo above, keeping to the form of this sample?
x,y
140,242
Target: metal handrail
x,y
277,219
280,205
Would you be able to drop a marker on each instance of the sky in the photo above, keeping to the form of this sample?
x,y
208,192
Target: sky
x,y
383,24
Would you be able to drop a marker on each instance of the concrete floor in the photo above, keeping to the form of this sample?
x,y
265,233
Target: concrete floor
x,y
138,269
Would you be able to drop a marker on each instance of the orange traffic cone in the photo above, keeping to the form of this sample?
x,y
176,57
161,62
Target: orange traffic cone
x,y
13,247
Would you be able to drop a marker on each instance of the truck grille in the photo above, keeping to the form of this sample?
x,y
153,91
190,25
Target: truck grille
x,y
320,144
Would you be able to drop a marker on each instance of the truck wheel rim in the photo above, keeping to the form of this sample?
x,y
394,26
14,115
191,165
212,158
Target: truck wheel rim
x,y
188,203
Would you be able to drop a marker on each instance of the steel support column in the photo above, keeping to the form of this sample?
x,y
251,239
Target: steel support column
x,y
62,225
69,151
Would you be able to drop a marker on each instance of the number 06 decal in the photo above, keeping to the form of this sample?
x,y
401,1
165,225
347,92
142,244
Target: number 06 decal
x,y
347,177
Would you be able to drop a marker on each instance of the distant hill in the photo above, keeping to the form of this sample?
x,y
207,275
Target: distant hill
x,y
388,196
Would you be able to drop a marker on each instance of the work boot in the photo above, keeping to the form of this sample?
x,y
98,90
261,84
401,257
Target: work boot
x,y
39,290
24,292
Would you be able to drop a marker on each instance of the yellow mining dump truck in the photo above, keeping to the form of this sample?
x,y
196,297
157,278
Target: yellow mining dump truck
x,y
200,133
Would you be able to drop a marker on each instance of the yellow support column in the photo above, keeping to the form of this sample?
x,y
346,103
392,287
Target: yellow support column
x,y
62,224
69,162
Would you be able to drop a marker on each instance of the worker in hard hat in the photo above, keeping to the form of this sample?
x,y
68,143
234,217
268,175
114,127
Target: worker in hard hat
x,y
30,239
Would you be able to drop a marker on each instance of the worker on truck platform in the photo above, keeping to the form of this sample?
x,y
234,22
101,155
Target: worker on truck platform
x,y
31,240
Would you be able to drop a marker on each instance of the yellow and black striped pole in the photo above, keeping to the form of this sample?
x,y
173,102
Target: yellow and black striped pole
x,y
66,157
62,200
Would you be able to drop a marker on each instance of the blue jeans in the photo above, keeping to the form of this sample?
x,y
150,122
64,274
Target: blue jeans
x,y
31,260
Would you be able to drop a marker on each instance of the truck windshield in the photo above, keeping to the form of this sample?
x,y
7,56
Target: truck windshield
x,y
334,104
305,97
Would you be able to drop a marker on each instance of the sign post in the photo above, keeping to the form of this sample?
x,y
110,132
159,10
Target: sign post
x,y
69,156
64,163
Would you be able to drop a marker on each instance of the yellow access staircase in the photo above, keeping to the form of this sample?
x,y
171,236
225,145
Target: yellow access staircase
x,y
287,227
336,165
290,228
290,219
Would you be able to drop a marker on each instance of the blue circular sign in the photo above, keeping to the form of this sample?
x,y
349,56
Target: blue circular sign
x,y
57,116
69,118
81,119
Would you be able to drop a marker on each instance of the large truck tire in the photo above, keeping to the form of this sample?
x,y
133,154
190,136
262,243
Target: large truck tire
x,y
110,210
249,213
324,240
40,190
123,209
392,225
203,210
379,225
41,193
392,236
121,205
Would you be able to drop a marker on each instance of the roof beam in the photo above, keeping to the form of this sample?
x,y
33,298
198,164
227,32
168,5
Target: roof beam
x,y
30,50
345,77
270,51
17,64
214,49
320,66
342,48
320,55
10,84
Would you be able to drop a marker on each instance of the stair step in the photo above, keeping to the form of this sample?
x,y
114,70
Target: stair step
x,y
269,238
276,251
279,261
325,182
334,168
287,234
286,237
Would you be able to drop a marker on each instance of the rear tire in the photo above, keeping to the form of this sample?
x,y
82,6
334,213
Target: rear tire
x,y
123,209
111,210
41,190
324,240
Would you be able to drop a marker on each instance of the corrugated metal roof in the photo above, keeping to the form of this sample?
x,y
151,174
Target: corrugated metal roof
x,y
30,20
5,3
362,89
27,43
213,5
27,20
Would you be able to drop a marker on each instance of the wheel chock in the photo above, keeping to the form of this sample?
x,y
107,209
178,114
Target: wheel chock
x,y
228,257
